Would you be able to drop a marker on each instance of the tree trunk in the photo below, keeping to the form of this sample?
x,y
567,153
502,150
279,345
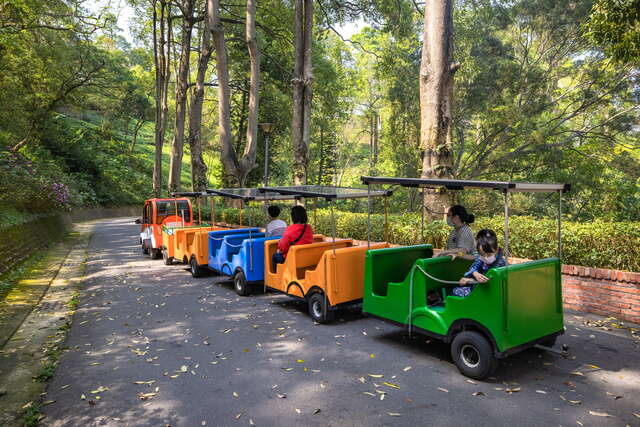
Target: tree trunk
x,y
308,81
198,167
436,95
236,172
248,160
299,150
161,58
136,129
182,81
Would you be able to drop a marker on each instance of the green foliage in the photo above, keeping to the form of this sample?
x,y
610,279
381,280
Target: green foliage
x,y
615,26
614,245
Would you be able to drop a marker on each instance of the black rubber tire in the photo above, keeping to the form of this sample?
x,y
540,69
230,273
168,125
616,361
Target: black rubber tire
x,y
473,355
317,309
196,270
166,258
145,251
240,284
154,253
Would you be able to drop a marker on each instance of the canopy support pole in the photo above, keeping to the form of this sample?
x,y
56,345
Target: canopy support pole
x,y
315,208
386,218
199,202
213,211
241,212
559,225
250,239
506,226
422,216
335,274
368,216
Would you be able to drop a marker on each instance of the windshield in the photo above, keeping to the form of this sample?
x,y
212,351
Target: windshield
x,y
166,208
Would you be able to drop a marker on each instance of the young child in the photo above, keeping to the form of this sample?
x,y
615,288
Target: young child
x,y
276,226
489,256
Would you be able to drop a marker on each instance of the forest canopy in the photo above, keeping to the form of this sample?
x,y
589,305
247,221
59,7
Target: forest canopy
x,y
544,91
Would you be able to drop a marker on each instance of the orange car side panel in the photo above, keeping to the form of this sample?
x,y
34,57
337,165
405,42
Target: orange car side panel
x,y
341,273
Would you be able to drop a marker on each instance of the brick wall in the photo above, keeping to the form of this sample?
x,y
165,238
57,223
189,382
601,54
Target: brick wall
x,y
20,241
600,291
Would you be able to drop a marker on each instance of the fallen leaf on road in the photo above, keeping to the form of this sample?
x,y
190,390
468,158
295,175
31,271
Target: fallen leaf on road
x,y
407,368
471,381
235,394
569,384
394,414
83,397
28,405
600,414
48,402
99,390
443,390
298,410
300,361
541,391
361,379
145,396
575,402
373,356
281,396
317,411
145,382
636,415
368,393
376,375
479,393
287,369
251,422
238,416
577,373
513,390
391,385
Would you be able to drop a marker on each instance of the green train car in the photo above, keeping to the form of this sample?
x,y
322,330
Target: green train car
x,y
519,307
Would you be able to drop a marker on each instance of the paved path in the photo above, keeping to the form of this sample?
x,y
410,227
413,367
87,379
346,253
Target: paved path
x,y
150,345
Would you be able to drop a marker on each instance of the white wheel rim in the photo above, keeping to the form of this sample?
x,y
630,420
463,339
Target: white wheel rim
x,y
238,284
470,356
317,309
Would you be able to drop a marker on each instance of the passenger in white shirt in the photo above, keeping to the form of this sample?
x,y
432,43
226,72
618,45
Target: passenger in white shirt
x,y
277,226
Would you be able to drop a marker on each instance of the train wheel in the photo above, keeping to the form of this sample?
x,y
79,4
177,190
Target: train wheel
x,y
241,285
473,355
318,310
196,270
166,258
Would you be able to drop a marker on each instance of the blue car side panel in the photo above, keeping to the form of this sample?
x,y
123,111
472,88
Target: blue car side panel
x,y
231,245
217,237
250,258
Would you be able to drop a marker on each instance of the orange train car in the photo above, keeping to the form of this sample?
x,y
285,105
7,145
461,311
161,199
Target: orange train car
x,y
329,274
159,214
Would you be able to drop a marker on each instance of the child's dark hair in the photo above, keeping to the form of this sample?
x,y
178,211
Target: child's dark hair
x,y
461,212
274,211
487,241
299,215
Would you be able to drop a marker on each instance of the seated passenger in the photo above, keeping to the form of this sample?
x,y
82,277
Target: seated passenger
x,y
460,241
489,256
298,233
276,226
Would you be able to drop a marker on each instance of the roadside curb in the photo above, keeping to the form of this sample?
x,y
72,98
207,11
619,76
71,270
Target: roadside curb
x,y
30,355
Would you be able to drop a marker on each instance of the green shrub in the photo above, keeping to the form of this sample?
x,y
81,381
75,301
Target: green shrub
x,y
614,245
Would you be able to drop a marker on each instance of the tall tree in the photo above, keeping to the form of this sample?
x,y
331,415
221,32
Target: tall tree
x,y
302,88
436,97
198,167
236,170
182,81
162,59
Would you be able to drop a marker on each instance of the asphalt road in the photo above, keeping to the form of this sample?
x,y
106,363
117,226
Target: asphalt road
x,y
150,345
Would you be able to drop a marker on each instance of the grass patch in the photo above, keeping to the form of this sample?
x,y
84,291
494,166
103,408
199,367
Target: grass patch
x,y
31,416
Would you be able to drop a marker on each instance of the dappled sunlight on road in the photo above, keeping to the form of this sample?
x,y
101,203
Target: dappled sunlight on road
x,y
150,345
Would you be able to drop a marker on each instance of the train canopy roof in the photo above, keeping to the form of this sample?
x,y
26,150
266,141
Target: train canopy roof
x,y
328,192
457,184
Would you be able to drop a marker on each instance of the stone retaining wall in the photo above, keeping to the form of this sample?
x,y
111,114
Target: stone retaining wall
x,y
20,241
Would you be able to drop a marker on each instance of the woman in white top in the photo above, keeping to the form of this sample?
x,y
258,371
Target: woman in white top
x,y
276,226
461,241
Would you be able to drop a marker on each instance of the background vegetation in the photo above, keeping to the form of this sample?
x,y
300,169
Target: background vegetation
x,y
546,91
